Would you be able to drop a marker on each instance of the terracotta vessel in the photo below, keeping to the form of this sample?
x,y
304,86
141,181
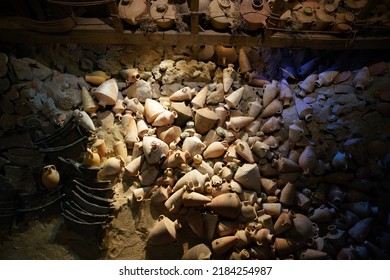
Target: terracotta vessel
x,y
139,194
163,13
248,175
286,165
215,150
164,232
287,195
97,77
308,160
272,125
120,149
223,244
243,149
50,177
193,145
308,84
192,180
165,118
184,113
234,98
176,158
236,123
84,120
175,201
154,149
200,98
274,108
106,93
204,52
362,79
243,62
326,78
91,158
304,110
132,10
132,74
194,199
228,77
89,104
205,119
134,166
285,94
152,109
119,108
225,55
183,94
221,13
271,91
226,205
112,166
198,252
263,237
284,222
255,13
361,229
169,134
131,136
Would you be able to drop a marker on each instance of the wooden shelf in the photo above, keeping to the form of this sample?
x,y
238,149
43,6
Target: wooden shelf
x,y
96,31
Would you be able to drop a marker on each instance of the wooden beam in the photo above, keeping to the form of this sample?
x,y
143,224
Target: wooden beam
x,y
194,16
95,31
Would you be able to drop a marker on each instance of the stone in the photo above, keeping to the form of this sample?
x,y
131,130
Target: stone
x,y
22,69
140,90
3,64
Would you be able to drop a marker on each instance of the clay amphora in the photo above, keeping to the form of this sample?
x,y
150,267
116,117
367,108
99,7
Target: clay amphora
x,y
308,160
100,146
139,194
161,194
120,149
312,254
184,113
192,180
340,160
97,77
204,52
205,119
165,118
132,10
183,94
303,202
285,93
221,13
112,166
263,237
322,214
308,84
273,124
304,110
225,55
169,134
142,128
226,205
106,93
176,158
255,79
228,77
215,150
164,232
164,14
248,175
252,129
154,149
198,252
193,145
243,149
152,109
243,62
91,158
131,136
335,237
383,108
295,133
194,199
132,75
200,98
255,13
203,167
209,224
271,91
236,123
50,177
275,107
119,108
284,246
134,105
175,201
269,186
89,104
254,108
223,244
233,99
261,149
326,78
361,229
134,166
286,165
284,222
303,228
222,113
287,195
210,137
84,120
379,68
362,79
323,18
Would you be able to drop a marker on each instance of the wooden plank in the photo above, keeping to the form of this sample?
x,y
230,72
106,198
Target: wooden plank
x,y
95,31
194,16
